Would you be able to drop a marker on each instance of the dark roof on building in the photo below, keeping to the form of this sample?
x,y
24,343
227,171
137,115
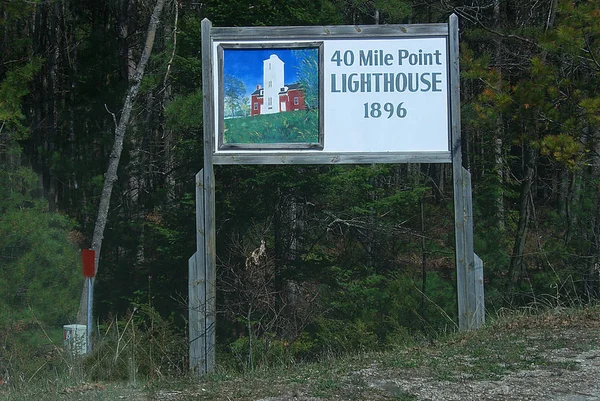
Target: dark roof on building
x,y
289,88
259,92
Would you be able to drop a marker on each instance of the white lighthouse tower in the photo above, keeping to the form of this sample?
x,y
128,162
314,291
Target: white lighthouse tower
x,y
273,82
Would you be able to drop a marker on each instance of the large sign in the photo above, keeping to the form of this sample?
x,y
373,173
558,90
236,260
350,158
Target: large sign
x,y
325,95
331,94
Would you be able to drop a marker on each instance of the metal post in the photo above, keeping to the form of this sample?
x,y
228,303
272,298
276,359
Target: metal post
x,y
89,315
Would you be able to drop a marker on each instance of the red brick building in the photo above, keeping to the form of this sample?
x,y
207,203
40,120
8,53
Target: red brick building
x,y
291,98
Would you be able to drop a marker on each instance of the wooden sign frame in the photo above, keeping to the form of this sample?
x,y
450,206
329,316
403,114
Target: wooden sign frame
x,y
202,265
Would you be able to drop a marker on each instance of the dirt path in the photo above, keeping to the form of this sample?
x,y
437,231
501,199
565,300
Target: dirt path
x,y
577,382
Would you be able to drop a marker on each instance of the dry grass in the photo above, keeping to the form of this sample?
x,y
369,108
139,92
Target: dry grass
x,y
521,354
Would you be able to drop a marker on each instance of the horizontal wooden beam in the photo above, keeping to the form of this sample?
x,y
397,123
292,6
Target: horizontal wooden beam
x,y
331,158
323,32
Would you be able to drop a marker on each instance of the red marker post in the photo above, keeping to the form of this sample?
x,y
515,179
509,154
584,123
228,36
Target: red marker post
x,y
88,259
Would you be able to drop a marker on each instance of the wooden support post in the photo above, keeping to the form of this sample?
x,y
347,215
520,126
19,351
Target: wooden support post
x,y
479,294
197,289
469,254
195,319
469,268
457,173
202,266
210,259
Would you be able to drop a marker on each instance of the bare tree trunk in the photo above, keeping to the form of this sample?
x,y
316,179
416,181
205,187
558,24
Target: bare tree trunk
x,y
516,260
125,27
168,142
51,83
110,177
499,132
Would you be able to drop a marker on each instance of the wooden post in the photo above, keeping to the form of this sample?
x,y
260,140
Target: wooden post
x,y
457,173
469,254
210,259
479,293
197,289
195,318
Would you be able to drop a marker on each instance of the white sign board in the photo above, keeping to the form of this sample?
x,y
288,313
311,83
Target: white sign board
x,y
343,96
386,95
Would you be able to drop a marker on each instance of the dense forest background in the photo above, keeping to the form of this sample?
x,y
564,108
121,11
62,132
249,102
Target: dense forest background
x,y
350,257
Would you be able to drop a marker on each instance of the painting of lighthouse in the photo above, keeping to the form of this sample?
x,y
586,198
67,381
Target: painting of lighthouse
x,y
273,78
271,97
274,96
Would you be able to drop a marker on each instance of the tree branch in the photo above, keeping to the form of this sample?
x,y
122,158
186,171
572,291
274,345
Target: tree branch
x,y
174,43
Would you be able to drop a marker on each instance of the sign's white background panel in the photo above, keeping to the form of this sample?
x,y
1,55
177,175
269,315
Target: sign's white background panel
x,y
392,97
380,95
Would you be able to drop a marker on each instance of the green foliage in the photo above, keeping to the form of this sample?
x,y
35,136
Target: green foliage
x,y
267,352
563,148
363,11
340,336
394,12
274,13
138,348
591,107
185,112
234,97
13,88
373,311
41,271
289,127
308,70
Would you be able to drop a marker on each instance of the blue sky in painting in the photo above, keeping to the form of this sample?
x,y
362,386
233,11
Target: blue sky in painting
x,y
247,65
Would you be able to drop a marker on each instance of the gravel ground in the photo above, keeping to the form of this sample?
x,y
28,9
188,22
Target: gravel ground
x,y
567,373
579,383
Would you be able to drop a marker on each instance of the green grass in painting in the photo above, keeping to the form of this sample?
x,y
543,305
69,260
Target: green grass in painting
x,y
289,127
